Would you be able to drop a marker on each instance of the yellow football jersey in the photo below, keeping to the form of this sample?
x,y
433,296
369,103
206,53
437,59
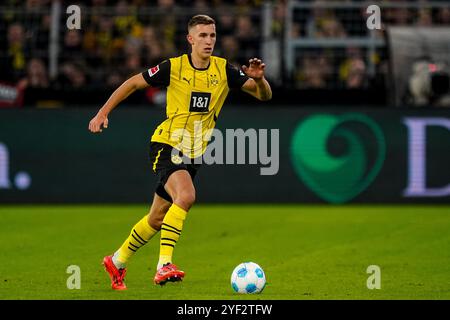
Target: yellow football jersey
x,y
194,100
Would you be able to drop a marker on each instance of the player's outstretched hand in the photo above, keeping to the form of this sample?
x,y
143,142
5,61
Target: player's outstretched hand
x,y
95,125
255,69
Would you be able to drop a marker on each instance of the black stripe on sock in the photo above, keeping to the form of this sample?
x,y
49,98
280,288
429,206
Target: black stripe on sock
x,y
168,225
171,231
132,249
139,236
137,239
133,245
168,244
169,239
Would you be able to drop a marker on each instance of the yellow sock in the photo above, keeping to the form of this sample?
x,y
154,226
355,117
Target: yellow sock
x,y
141,233
170,233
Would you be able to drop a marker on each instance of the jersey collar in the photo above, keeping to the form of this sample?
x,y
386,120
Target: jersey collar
x,y
192,65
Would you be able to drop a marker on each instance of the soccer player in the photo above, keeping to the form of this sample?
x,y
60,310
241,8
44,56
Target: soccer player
x,y
197,86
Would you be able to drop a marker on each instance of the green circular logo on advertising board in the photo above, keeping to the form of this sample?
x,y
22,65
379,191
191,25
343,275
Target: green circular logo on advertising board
x,y
338,156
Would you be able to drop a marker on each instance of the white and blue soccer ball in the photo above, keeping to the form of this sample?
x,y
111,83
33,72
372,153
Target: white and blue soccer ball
x,y
248,277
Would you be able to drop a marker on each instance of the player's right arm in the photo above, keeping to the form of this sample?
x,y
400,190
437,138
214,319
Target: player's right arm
x,y
128,87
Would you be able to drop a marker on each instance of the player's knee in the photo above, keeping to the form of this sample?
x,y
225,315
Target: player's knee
x,y
156,218
156,222
185,199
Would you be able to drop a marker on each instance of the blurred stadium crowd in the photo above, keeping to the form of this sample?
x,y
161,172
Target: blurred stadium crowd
x,y
120,38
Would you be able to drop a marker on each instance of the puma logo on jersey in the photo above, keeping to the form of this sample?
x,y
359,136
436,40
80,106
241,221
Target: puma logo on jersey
x,y
188,81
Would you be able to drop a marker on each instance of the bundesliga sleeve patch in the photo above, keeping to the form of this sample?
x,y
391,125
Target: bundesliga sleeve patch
x,y
153,71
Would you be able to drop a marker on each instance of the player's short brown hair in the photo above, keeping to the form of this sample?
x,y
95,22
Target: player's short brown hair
x,y
200,19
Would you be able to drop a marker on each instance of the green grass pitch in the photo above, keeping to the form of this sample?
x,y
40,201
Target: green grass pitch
x,y
307,252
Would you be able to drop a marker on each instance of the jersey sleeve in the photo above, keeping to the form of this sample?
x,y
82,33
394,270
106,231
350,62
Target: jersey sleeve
x,y
159,75
236,77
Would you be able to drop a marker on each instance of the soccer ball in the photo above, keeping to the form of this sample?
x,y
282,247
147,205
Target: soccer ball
x,y
248,277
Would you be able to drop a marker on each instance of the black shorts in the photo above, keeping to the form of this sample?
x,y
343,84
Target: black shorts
x,y
165,160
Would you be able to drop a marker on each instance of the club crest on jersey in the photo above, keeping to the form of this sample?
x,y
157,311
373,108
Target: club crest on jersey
x,y
153,71
213,80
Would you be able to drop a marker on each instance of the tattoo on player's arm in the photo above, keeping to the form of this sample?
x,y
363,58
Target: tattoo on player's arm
x,y
263,87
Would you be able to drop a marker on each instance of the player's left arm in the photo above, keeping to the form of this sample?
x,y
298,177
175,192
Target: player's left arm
x,y
256,85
